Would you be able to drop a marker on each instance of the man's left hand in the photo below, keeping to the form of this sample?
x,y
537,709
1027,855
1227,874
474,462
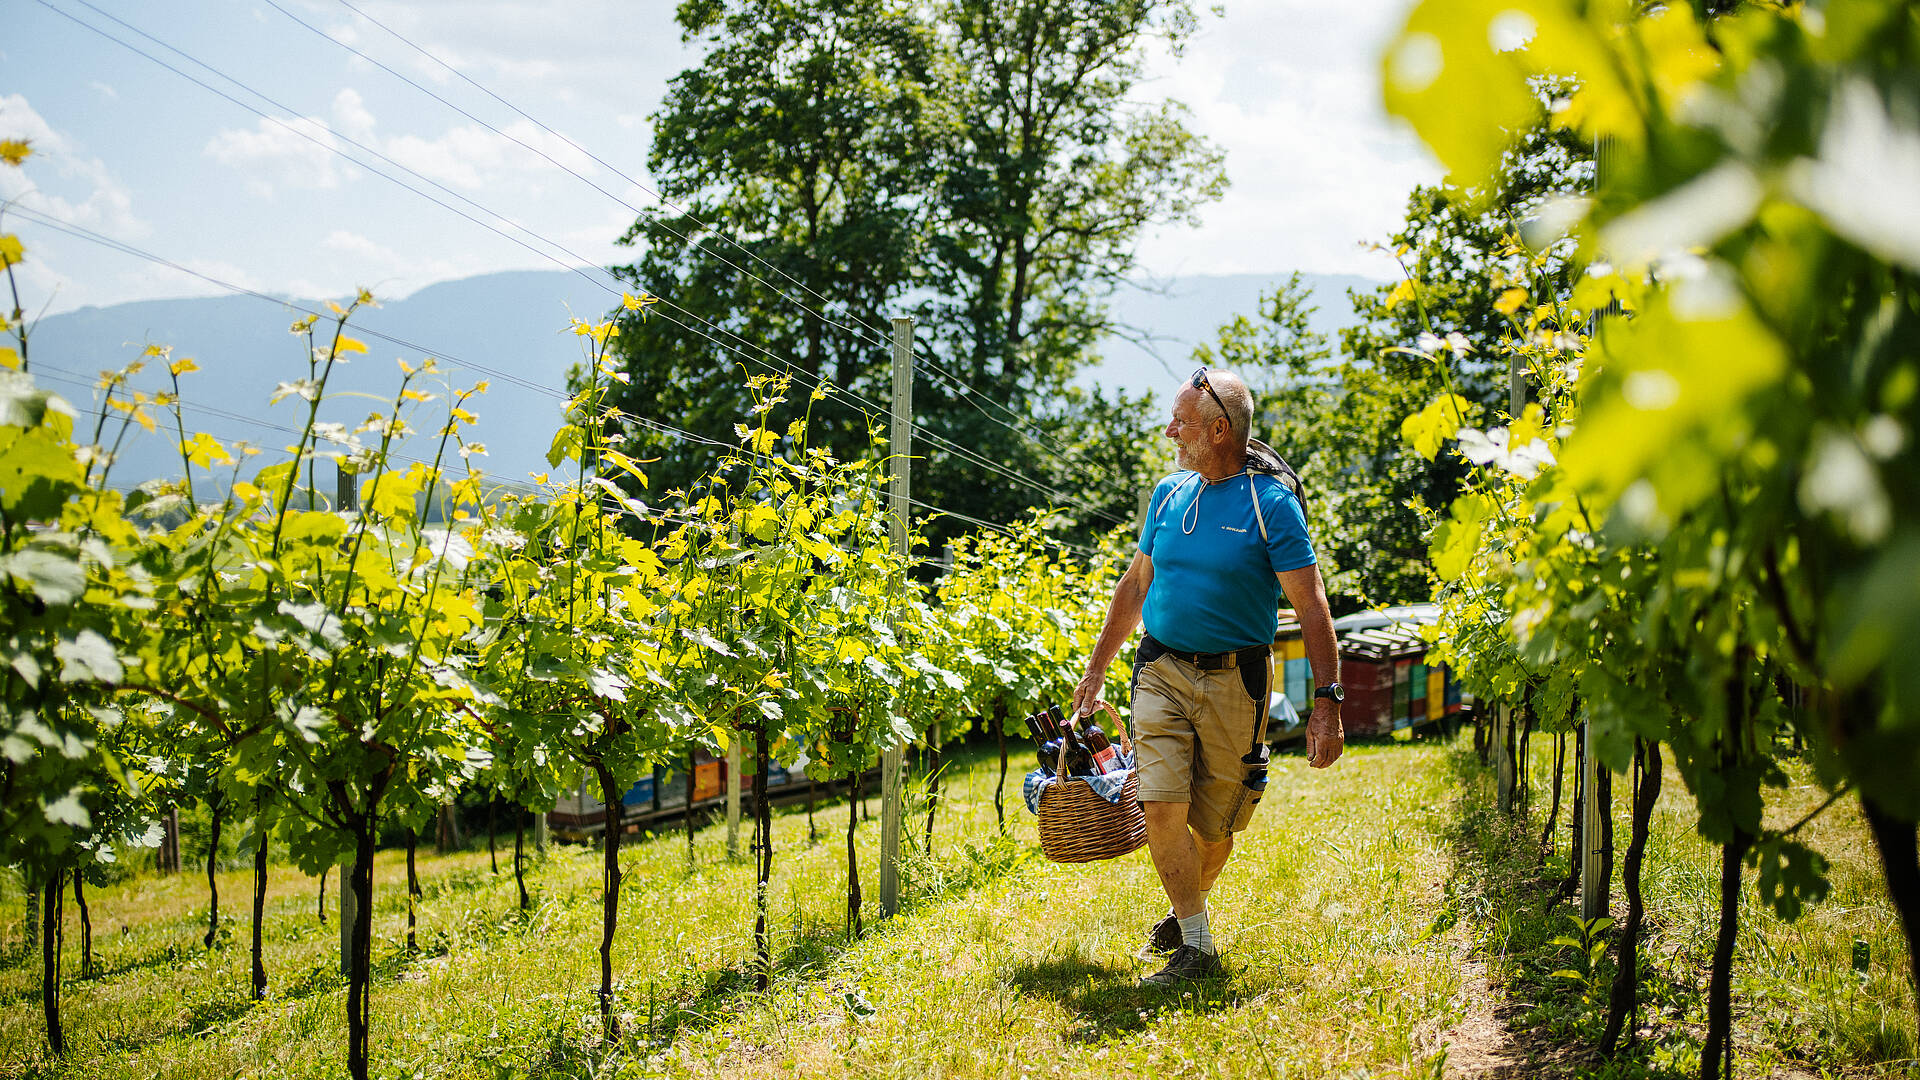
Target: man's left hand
x,y
1325,737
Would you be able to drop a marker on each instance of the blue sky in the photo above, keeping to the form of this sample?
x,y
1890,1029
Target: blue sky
x,y
131,150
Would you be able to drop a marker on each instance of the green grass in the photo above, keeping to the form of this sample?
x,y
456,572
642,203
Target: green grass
x,y
1800,1008
1001,964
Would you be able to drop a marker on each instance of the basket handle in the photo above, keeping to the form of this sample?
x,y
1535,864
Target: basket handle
x,y
1119,727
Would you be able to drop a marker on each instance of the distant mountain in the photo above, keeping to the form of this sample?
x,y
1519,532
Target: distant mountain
x,y
510,329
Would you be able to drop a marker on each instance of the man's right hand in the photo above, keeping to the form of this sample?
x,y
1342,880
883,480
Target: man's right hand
x,y
1088,692
1326,736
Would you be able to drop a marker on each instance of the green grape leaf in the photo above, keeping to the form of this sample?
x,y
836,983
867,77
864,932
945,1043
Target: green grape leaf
x,y
56,578
316,527
316,620
1429,429
88,656
762,523
67,810
38,472
565,445
24,405
1443,59
607,684
1792,875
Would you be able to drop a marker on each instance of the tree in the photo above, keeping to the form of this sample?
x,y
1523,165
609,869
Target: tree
x,y
1736,479
801,132
1051,174
976,161
1338,423
1459,249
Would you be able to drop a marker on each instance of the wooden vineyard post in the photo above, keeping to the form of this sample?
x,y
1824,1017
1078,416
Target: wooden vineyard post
x,y
733,794
1502,754
1594,833
349,904
899,445
168,859
1593,883
347,501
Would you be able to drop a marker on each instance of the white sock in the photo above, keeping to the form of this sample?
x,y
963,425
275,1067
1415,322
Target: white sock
x,y
1194,931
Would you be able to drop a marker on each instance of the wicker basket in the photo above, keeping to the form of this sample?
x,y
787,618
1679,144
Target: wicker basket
x,y
1077,825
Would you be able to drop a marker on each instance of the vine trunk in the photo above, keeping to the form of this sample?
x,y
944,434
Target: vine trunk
x,y
1716,1053
213,886
1000,786
610,896
1626,978
86,923
1900,861
52,911
360,966
257,946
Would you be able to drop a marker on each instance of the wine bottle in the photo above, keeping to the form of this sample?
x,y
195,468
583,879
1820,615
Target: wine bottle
x,y
1050,757
1106,756
1079,758
1040,735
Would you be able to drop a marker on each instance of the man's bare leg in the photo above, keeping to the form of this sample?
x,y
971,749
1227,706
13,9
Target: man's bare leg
x,y
1185,870
1213,856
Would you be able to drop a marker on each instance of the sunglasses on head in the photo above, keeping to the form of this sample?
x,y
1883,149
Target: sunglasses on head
x,y
1200,383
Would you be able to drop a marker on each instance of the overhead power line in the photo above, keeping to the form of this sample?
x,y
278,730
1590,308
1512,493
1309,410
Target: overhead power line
x,y
304,134
869,410
872,336
786,366
80,379
875,337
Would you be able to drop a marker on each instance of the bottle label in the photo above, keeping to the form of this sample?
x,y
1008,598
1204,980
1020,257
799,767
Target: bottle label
x,y
1107,760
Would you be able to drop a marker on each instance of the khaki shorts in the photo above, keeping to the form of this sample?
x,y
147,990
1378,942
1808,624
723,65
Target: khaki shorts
x,y
1190,728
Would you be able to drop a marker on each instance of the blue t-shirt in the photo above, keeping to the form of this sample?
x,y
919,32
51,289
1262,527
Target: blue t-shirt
x,y
1213,587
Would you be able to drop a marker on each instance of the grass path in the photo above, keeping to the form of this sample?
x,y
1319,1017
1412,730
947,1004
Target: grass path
x,y
1001,964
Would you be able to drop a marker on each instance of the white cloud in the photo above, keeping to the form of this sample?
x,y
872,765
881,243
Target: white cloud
x,y
142,280
104,90
351,116
389,273
297,153
1290,90
60,179
518,46
353,243
307,152
472,157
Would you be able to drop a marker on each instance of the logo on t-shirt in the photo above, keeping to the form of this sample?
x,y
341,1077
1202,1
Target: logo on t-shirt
x,y
1230,528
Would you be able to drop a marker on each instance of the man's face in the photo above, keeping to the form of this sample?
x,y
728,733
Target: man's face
x,y
1188,430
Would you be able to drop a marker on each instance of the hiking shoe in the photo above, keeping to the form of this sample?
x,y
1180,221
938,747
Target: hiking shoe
x,y
1162,939
1187,964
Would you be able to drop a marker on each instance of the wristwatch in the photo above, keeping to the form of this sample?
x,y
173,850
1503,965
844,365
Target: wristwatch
x,y
1335,691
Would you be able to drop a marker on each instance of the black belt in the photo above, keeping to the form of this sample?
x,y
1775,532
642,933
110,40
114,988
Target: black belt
x,y
1151,650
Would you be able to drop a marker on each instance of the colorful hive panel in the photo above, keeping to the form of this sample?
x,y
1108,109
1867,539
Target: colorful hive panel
x,y
1297,685
640,794
707,780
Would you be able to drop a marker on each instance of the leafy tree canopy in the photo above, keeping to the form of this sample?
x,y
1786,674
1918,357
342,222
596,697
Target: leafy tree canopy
x,y
980,163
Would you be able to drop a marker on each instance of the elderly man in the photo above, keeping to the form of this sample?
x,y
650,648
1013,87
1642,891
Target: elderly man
x,y
1224,538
